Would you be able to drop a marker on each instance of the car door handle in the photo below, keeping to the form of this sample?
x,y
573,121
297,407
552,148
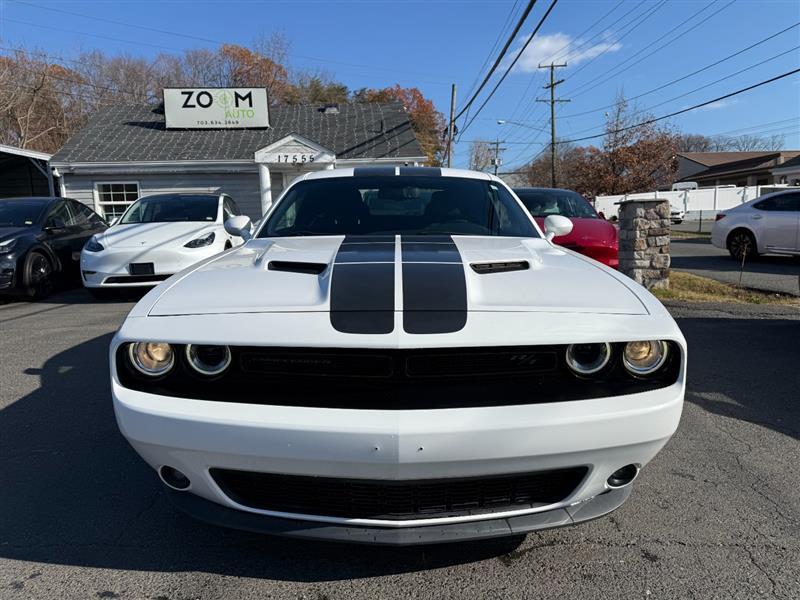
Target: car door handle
x,y
757,217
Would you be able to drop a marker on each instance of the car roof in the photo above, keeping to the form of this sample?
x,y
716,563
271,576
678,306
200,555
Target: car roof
x,y
543,189
183,195
42,198
394,171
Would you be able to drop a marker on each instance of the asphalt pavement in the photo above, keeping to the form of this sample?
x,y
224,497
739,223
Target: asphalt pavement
x,y
771,273
715,515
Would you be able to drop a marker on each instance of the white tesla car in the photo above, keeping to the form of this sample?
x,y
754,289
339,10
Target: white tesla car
x,y
399,356
156,237
770,224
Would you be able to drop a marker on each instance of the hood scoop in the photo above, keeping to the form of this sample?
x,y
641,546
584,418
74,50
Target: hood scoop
x,y
288,266
500,267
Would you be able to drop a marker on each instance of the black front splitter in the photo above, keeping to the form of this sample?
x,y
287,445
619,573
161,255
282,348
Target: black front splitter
x,y
216,514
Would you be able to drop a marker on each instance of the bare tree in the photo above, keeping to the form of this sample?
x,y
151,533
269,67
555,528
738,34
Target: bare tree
x,y
481,154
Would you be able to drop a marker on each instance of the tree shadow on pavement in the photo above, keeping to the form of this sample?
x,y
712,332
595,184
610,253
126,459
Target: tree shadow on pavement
x,y
74,493
747,369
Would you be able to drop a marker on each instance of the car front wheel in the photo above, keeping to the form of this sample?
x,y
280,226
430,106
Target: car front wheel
x,y
38,275
741,244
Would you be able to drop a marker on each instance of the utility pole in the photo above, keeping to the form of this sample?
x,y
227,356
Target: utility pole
x,y
497,149
552,102
451,126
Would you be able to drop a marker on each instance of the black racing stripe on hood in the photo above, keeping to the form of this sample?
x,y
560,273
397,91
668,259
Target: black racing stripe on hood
x,y
434,285
362,285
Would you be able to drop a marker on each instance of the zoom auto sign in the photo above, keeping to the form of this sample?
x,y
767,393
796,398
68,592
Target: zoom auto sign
x,y
216,108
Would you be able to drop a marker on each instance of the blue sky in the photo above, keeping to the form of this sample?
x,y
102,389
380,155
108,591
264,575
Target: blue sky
x,y
430,43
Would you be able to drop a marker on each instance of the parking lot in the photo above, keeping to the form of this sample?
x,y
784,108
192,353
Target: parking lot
x,y
771,273
716,515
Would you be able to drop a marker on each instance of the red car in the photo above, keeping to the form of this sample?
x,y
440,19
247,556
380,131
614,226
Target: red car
x,y
591,234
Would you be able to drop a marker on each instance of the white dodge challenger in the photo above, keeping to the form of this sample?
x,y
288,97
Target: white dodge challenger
x,y
398,356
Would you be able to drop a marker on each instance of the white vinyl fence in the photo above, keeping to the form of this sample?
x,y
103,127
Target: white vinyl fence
x,y
699,205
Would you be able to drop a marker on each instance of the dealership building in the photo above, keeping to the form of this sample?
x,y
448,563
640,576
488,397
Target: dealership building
x,y
125,152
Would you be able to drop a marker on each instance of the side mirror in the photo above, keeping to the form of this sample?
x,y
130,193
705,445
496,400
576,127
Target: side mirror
x,y
54,225
239,226
114,221
602,215
556,225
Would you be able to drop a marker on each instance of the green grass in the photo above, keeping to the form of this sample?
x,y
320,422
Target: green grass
x,y
693,288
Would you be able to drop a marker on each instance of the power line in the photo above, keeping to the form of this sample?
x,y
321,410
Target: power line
x,y
644,16
552,58
514,62
489,55
603,77
685,110
500,56
702,87
687,76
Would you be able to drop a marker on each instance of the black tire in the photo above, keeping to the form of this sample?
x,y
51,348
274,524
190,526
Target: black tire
x,y
740,243
38,275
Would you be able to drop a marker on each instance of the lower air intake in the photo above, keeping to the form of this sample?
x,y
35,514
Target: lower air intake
x,y
397,500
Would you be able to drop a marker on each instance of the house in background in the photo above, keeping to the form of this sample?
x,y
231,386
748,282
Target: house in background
x,y
125,152
711,169
788,172
25,173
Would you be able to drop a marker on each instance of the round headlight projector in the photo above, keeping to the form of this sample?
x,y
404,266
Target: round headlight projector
x,y
586,359
208,360
151,358
644,358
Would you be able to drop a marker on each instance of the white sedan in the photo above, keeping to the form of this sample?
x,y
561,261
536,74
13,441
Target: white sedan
x,y
399,356
770,224
156,237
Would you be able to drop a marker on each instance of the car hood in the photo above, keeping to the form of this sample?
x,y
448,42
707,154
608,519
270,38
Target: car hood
x,y
7,233
586,232
421,274
139,235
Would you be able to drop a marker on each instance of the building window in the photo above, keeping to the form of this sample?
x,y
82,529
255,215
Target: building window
x,y
114,198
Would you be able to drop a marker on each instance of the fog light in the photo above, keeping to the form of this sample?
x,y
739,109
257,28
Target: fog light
x,y
644,357
586,359
151,358
174,478
622,477
208,360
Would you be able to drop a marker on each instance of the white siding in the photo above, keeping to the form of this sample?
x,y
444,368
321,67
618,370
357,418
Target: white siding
x,y
242,187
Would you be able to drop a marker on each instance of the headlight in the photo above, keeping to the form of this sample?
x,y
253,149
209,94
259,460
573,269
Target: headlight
x,y
200,242
151,358
8,246
208,360
93,245
644,358
586,359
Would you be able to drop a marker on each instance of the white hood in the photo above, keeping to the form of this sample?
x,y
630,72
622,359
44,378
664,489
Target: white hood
x,y
148,235
252,280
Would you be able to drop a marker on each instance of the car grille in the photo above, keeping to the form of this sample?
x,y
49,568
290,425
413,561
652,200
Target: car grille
x,y
391,379
397,500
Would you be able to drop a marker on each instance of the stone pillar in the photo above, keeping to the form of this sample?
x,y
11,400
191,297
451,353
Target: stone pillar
x,y
644,241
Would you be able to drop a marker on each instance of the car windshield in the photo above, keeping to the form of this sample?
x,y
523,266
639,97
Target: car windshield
x,y
543,203
169,208
22,212
405,204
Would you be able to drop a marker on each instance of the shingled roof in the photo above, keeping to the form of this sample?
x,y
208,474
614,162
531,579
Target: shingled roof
x,y
134,133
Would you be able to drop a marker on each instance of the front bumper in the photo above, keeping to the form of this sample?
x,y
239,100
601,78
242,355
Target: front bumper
x,y
601,434
110,267
215,514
